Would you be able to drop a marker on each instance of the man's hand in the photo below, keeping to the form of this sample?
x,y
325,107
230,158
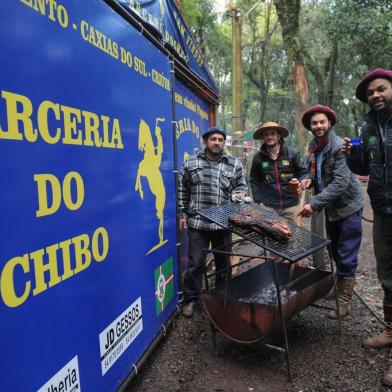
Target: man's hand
x,y
346,146
238,197
306,183
307,211
183,224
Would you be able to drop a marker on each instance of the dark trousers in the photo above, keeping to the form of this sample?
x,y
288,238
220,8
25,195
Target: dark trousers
x,y
382,239
199,240
346,236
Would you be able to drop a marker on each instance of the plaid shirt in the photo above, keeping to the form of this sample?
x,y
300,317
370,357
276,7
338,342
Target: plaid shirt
x,y
205,184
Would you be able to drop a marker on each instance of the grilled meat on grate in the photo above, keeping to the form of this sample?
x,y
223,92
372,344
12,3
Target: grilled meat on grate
x,y
251,217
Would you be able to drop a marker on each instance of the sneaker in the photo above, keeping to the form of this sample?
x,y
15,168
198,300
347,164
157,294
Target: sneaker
x,y
188,309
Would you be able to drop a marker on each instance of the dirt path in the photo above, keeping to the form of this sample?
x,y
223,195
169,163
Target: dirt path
x,y
321,359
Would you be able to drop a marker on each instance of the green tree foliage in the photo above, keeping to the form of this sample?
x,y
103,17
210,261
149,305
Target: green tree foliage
x,y
214,39
340,40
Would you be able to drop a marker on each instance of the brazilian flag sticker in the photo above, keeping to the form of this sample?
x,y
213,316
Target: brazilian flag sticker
x,y
164,286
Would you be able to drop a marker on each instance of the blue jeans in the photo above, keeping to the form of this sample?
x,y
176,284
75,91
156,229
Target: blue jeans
x,y
346,236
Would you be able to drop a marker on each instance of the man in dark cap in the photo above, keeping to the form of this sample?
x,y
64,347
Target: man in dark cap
x,y
339,191
273,168
209,178
374,158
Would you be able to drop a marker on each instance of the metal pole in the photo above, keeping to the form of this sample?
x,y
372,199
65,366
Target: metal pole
x,y
280,308
318,227
236,79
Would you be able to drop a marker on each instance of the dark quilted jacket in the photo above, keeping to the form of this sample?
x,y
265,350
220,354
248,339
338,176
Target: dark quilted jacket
x,y
374,158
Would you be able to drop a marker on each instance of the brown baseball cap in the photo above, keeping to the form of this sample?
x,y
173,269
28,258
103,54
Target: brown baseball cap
x,y
261,127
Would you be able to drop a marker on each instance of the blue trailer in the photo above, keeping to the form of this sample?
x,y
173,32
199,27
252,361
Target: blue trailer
x,y
101,102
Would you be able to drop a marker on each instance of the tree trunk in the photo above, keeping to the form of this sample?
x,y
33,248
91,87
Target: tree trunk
x,y
288,14
331,74
301,97
318,77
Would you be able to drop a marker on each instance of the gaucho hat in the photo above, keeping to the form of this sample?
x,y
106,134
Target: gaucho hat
x,y
213,130
261,127
318,108
375,74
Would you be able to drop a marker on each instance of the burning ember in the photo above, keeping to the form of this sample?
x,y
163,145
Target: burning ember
x,y
268,296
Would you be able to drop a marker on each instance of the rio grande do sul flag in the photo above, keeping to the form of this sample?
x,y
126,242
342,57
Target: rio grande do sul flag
x,y
164,286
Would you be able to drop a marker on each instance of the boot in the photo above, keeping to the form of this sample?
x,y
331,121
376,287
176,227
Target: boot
x,y
387,379
345,287
188,309
331,294
383,339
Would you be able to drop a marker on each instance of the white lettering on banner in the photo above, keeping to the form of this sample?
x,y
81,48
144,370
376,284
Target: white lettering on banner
x,y
117,337
65,380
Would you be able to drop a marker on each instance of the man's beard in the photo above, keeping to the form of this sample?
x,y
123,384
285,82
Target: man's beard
x,y
385,105
271,144
215,151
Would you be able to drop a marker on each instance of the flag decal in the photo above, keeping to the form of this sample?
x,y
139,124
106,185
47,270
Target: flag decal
x,y
164,285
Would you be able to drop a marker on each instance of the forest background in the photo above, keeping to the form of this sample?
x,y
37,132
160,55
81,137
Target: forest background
x,y
294,53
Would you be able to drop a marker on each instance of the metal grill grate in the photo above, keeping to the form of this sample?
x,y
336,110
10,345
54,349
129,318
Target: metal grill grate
x,y
301,244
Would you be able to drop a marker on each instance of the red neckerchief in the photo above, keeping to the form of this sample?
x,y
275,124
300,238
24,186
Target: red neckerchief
x,y
318,147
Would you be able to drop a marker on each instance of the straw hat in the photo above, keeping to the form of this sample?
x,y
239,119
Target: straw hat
x,y
261,127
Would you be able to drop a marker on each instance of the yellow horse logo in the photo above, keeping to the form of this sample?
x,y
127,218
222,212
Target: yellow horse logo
x,y
149,168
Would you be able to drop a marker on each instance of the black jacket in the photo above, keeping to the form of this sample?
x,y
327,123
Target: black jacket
x,y
374,158
270,180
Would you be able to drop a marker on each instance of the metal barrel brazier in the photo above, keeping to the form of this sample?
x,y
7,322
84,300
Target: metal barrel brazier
x,y
251,310
248,306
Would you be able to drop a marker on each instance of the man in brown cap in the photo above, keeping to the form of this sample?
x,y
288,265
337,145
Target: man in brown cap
x,y
273,168
374,158
338,191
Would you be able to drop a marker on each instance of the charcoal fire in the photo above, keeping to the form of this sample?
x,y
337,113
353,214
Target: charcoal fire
x,y
268,296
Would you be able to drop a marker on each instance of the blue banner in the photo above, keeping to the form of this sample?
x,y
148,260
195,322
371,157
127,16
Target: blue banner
x,y
192,119
88,270
165,18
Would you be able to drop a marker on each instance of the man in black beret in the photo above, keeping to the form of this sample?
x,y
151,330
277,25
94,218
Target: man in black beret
x,y
209,179
374,158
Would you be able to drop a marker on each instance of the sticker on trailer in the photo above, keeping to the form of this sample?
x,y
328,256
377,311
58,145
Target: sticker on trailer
x,y
66,380
116,338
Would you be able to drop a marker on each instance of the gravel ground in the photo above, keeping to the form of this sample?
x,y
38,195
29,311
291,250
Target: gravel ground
x,y
321,359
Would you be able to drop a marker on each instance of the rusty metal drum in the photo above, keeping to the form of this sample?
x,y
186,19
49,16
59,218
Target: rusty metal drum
x,y
250,311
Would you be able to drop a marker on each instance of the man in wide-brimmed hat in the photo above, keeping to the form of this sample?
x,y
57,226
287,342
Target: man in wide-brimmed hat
x,y
374,158
273,168
338,191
